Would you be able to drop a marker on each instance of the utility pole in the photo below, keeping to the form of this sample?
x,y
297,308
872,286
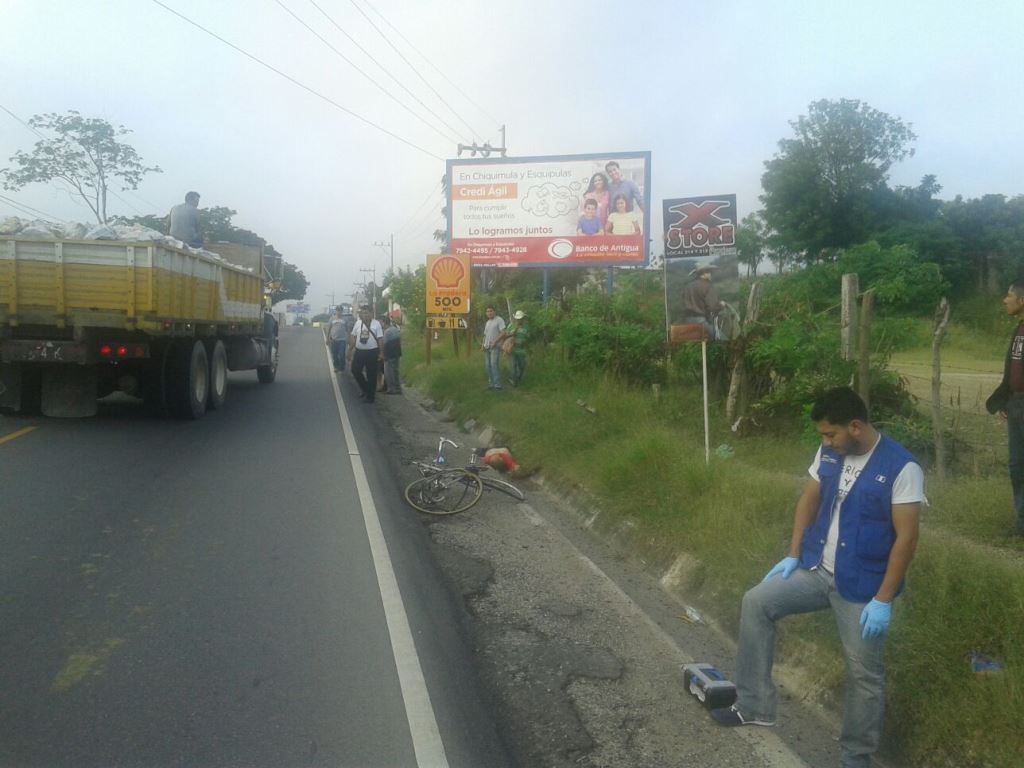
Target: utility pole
x,y
331,295
390,244
486,149
373,293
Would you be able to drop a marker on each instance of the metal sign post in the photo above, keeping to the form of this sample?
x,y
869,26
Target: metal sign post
x,y
707,430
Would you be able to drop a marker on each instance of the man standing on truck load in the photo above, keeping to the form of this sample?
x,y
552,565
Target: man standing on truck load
x,y
854,535
367,343
184,221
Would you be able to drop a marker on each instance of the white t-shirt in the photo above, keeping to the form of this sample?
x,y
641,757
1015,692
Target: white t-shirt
x,y
907,488
492,330
367,335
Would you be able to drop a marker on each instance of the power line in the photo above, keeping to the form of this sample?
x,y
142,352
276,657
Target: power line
x,y
28,209
385,70
355,66
423,56
431,219
292,80
37,133
430,196
414,69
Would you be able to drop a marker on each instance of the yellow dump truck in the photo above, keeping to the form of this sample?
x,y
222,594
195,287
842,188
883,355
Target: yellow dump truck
x,y
80,319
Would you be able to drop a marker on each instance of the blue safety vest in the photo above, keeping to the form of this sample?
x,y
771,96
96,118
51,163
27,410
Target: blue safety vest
x,y
866,533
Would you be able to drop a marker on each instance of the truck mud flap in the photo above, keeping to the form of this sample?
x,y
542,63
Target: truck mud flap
x,y
19,388
69,391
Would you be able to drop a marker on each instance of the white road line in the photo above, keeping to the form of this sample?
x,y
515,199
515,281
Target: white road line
x,y
426,738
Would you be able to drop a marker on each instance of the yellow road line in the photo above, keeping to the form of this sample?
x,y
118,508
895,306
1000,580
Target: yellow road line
x,y
16,435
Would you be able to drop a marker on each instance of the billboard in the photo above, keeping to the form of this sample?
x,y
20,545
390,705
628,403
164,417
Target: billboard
x,y
700,226
448,279
297,309
561,211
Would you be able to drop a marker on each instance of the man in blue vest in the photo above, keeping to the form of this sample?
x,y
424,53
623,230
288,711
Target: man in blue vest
x,y
854,535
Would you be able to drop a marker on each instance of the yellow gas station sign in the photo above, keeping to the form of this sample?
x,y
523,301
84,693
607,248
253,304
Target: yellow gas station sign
x,y
448,281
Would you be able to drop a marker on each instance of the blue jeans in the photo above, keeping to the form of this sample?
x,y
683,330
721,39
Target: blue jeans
x,y
492,359
803,592
391,375
518,368
338,354
1015,433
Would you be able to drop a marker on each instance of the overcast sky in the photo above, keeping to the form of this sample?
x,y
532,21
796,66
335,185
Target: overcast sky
x,y
708,88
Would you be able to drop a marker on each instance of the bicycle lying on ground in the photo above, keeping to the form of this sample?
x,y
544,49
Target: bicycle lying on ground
x,y
444,490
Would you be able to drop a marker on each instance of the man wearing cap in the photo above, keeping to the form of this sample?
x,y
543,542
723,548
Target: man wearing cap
x,y
700,300
337,335
366,343
517,334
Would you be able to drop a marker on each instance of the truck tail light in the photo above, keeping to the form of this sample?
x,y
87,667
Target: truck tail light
x,y
106,350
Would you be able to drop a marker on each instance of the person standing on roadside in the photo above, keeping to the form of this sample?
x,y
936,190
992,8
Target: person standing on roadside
x,y
854,534
491,345
517,334
392,355
366,341
1008,401
337,337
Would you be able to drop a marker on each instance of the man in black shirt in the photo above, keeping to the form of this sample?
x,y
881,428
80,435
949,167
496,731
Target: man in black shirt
x,y
1008,400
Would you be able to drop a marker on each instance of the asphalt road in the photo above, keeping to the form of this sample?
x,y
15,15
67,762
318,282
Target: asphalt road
x,y
216,593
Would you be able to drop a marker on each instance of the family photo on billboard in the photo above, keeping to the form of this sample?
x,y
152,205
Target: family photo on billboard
x,y
575,210
611,205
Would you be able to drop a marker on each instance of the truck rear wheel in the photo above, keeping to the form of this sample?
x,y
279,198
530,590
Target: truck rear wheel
x,y
188,380
218,374
267,373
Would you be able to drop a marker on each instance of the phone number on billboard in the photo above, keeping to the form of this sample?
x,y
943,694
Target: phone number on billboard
x,y
492,250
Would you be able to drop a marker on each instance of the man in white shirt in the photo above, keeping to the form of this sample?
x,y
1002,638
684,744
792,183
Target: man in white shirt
x,y
367,345
854,534
494,328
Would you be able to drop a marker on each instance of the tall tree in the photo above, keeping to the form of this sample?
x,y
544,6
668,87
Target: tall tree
x,y
84,154
991,229
750,241
294,284
820,189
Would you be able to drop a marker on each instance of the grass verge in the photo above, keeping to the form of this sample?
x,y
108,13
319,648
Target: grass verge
x,y
641,460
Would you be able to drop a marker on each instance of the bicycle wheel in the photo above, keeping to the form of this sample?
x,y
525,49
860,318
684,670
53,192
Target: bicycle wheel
x,y
445,492
500,485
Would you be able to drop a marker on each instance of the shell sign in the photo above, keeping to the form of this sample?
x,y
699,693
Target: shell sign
x,y
448,280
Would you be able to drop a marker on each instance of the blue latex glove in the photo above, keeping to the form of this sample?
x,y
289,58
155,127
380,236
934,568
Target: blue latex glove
x,y
875,619
785,566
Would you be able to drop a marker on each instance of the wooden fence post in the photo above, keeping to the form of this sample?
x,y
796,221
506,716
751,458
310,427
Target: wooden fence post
x,y
941,318
737,382
848,326
864,349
